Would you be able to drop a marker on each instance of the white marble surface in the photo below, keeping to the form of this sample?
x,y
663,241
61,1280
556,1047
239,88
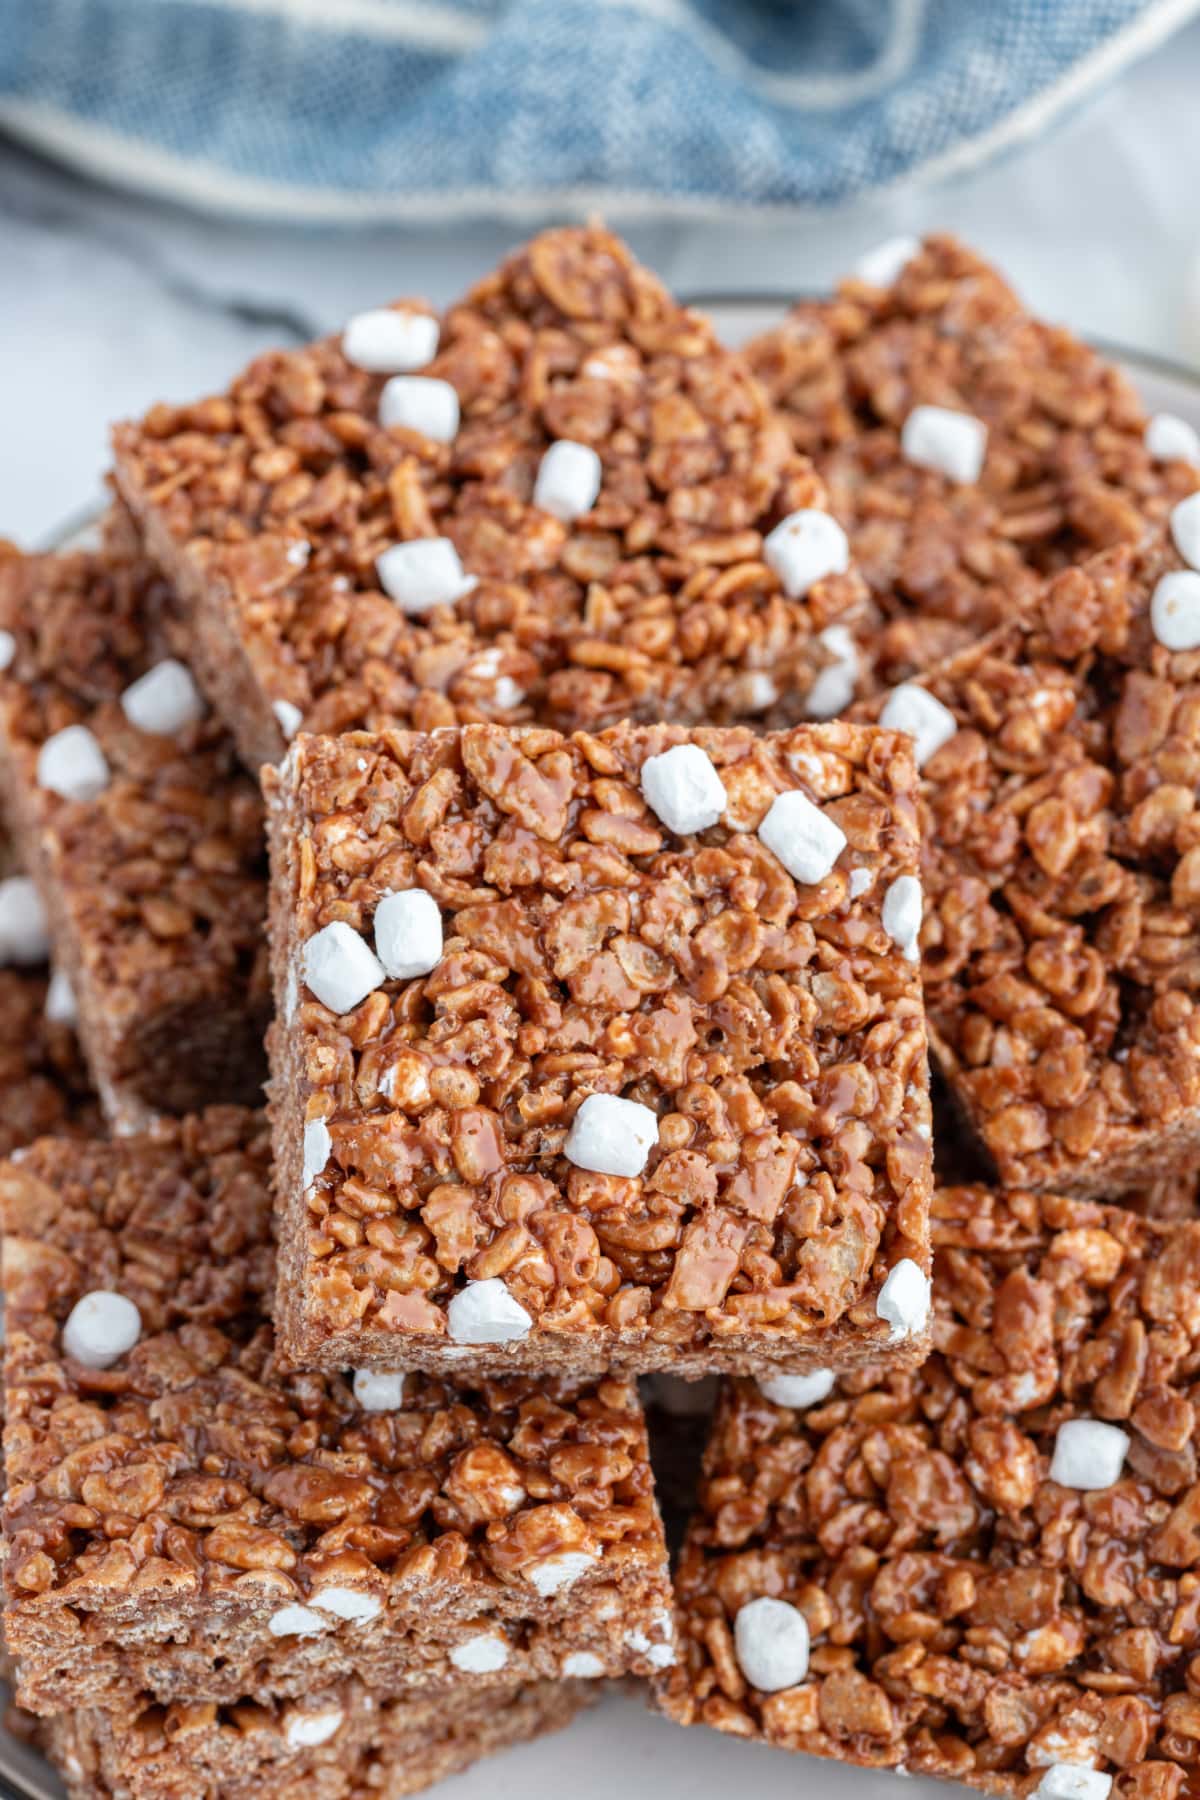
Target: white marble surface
x,y
108,302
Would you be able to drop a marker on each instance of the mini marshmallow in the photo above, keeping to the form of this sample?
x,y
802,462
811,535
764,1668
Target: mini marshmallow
x,y
340,969
423,574
682,788
61,1008
164,699
8,650
419,403
484,1312
555,1573
904,1300
883,265
901,915
24,937
1072,1781
387,342
659,1656
1185,529
799,1391
568,480
72,764
950,443
861,881
805,840
771,1641
101,1328
1171,439
408,933
379,1391
297,553
482,1655
305,1730
583,1666
806,547
1175,610
296,1621
349,1603
610,1136
915,710
288,717
1088,1455
318,1146
833,690
754,692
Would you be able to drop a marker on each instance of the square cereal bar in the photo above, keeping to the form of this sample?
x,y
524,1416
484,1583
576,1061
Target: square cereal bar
x,y
598,1052
186,1522
343,1744
886,386
985,1568
1061,866
562,517
144,835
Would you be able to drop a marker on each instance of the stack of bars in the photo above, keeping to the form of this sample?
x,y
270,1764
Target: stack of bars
x,y
580,773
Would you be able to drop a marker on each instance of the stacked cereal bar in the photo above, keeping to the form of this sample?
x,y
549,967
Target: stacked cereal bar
x,y
984,1568
599,1052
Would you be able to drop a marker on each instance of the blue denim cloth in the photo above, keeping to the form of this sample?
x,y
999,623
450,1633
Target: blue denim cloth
x,y
358,109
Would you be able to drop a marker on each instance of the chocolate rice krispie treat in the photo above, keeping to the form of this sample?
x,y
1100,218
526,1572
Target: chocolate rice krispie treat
x,y
565,503
967,448
599,1052
143,834
1060,948
985,1568
184,1522
342,1744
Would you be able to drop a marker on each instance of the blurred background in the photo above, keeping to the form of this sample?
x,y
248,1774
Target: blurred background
x,y
183,182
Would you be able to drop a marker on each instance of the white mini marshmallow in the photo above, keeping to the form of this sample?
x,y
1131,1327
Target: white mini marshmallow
x,y
164,699
349,1603
568,480
24,937
833,690
305,1730
904,1300
8,650
72,764
423,574
583,1666
555,1573
1072,1781
754,692
101,1328
379,1391
1088,1454
805,840
806,547
1171,439
683,789
901,915
1175,610
296,1621
799,1390
921,714
1185,529
882,265
951,443
419,403
340,968
408,933
611,1136
288,717
484,1312
318,1146
387,342
861,881
659,1656
61,1008
482,1655
771,1640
